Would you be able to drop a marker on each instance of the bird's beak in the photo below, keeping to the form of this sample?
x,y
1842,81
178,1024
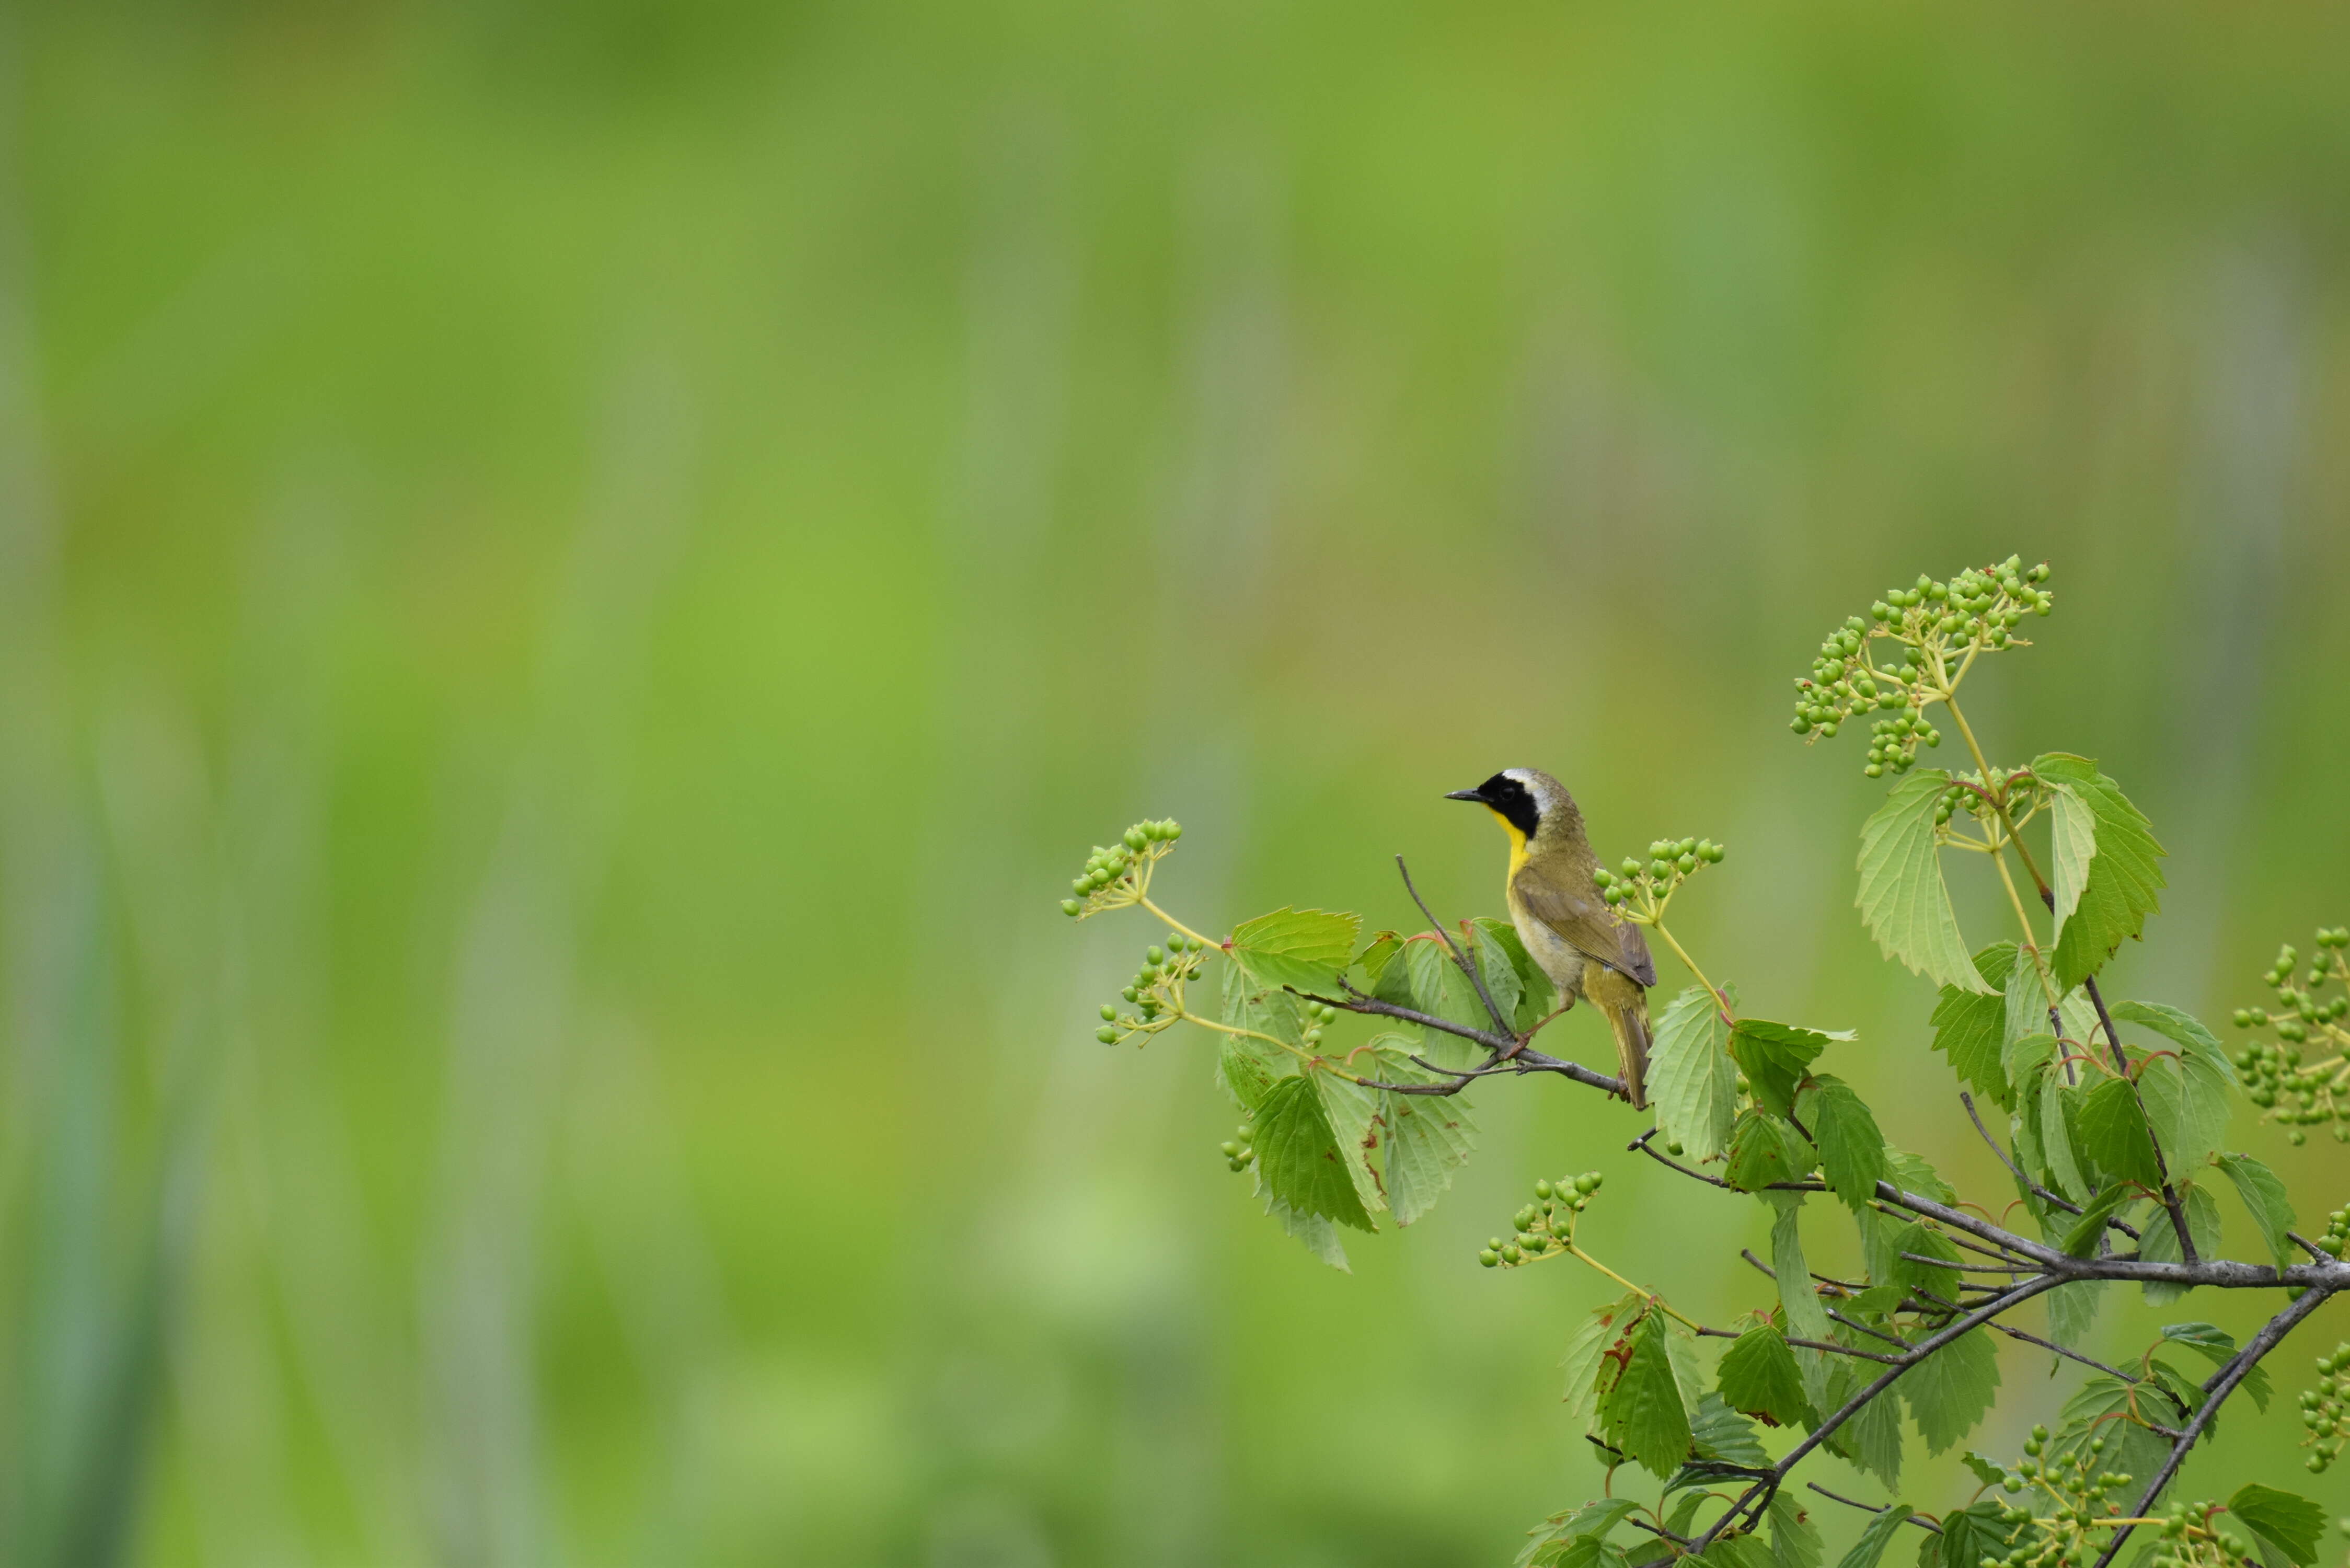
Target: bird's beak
x,y
1465,794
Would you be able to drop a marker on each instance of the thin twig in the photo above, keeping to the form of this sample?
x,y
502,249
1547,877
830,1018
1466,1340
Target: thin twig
x,y
2215,1393
2042,1344
1921,1522
2053,1199
1829,1346
1749,1503
1501,1019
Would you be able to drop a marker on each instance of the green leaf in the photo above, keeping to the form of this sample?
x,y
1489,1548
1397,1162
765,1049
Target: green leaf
x,y
1764,1149
1870,1547
1794,1539
2072,1310
1852,1151
1692,1082
1805,1315
1758,1376
1969,1535
1913,1174
1985,1471
2217,1346
1969,1026
2185,1098
1586,1354
2159,1242
2027,1002
2290,1523
1318,1234
1429,1138
1432,983
1304,948
1642,1413
2083,1233
1298,1157
1721,1434
1246,1068
1902,898
2125,879
2056,1140
1373,959
2113,1135
1493,967
1775,1057
1873,1440
1537,995
2264,1197
2073,844
1948,1391
2103,1408
1354,1120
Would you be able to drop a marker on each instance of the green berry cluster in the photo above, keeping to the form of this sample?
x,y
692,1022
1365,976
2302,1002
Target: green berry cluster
x,y
2325,1410
2277,1079
1239,1150
1156,992
1981,796
2192,1538
1118,874
2084,1499
1647,886
1546,1225
1940,628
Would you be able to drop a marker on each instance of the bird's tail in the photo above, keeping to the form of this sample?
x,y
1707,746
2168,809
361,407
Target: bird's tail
x,y
1630,1021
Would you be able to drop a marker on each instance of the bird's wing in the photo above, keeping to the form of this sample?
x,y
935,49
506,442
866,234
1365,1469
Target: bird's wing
x,y
1588,926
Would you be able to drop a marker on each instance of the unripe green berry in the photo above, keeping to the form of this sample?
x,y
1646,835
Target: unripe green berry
x,y
1154,955
1489,1258
1109,1013
1071,907
1106,1036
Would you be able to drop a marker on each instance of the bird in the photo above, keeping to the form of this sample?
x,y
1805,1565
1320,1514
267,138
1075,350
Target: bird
x,y
1588,951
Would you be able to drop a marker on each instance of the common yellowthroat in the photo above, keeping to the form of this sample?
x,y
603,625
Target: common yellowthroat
x,y
1580,941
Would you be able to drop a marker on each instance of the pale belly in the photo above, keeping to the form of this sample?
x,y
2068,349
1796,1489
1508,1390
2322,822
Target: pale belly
x,y
1559,960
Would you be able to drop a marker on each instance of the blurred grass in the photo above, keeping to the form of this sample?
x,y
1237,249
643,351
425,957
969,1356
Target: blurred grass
x,y
576,579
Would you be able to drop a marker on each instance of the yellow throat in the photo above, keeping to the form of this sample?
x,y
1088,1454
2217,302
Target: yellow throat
x,y
1517,841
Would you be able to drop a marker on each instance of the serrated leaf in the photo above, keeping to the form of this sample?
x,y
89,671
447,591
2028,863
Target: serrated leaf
x,y
2113,1135
2073,844
2072,1310
1874,1440
1794,1539
1692,1082
1852,1151
1985,1471
1758,1376
1353,1113
2103,1408
2125,879
2264,1198
1723,1435
2217,1346
1373,959
1493,967
2027,1002
1317,1235
1775,1057
2083,1231
1586,1350
1307,948
1902,898
1914,1174
2185,1096
1642,1414
2057,1140
1948,1391
1298,1157
1764,1149
1432,983
1429,1138
2290,1523
1805,1316
1969,1026
1537,994
2159,1243
1969,1535
1879,1534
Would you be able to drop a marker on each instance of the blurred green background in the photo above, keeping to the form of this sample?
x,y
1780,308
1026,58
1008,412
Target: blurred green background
x,y
576,580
